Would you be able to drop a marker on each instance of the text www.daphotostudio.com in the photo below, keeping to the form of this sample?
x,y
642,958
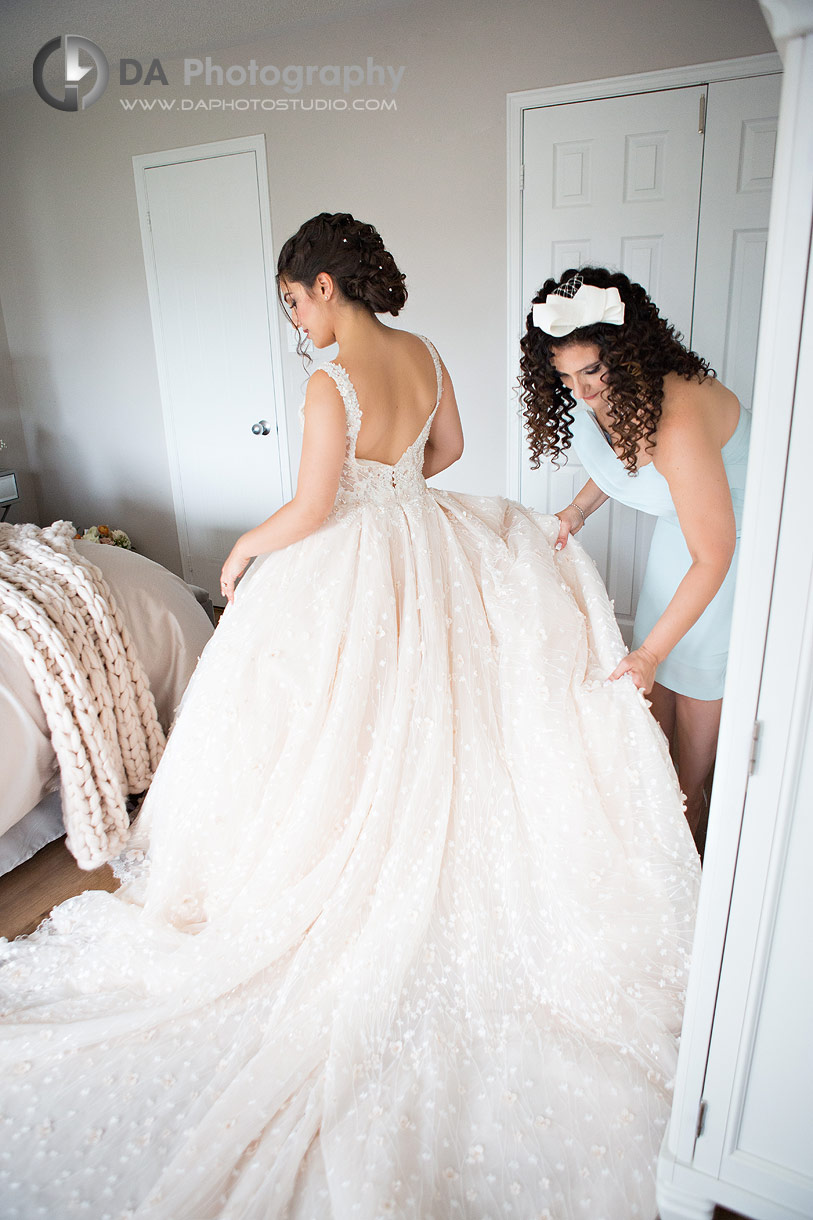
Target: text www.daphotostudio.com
x,y
290,80
291,104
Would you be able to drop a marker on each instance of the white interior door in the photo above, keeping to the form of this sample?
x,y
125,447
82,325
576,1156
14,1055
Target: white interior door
x,y
615,182
206,233
735,203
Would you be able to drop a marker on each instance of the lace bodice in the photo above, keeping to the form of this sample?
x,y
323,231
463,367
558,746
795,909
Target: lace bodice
x,y
364,481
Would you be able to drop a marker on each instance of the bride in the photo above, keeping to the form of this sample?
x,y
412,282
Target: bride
x,y
406,915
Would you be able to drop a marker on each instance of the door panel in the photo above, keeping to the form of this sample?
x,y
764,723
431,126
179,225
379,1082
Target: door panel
x,y
736,197
211,316
615,182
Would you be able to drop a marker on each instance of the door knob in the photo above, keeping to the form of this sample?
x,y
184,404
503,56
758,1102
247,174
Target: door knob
x,y
261,428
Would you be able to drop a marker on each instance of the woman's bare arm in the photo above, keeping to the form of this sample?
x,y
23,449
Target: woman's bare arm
x,y
688,455
691,462
571,519
444,444
320,466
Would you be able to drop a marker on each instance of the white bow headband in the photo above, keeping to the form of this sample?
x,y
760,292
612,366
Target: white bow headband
x,y
576,304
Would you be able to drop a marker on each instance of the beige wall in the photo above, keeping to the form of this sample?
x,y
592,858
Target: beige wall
x,y
431,176
15,455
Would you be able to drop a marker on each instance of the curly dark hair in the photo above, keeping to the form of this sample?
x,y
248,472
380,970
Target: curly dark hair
x,y
637,355
353,253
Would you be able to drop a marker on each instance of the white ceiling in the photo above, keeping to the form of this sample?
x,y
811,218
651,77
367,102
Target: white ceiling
x,y
149,28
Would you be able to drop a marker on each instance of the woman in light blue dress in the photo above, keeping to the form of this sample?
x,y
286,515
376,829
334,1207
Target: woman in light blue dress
x,y
660,433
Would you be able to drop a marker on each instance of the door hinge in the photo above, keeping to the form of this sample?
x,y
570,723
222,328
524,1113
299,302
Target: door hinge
x,y
755,735
522,177
701,118
701,1119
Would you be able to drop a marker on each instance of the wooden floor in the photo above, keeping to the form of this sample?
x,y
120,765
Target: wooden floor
x,y
29,891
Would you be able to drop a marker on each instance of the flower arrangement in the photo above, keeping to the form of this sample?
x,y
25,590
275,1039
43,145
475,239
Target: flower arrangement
x,y
104,534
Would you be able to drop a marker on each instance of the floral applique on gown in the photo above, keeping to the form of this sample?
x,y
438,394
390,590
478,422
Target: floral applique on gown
x,y
411,935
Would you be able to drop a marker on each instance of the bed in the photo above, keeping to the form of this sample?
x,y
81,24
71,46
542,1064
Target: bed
x,y
169,627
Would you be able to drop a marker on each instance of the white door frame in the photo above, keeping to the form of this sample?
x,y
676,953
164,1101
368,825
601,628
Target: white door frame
x,y
196,152
582,91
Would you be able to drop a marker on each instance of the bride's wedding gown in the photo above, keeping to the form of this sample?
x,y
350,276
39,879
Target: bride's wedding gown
x,y
412,933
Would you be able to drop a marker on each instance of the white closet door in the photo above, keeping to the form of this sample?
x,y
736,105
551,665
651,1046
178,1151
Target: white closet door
x,y
736,198
207,250
614,182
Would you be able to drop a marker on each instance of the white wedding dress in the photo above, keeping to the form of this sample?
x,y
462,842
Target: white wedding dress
x,y
411,936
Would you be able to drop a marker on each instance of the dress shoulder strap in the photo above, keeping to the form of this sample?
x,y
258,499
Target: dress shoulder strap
x,y
347,390
438,369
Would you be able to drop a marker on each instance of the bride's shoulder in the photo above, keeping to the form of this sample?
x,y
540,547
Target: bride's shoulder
x,y
408,339
323,382
420,345
421,341
324,390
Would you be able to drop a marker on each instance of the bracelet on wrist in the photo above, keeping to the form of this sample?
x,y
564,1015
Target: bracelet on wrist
x,y
573,504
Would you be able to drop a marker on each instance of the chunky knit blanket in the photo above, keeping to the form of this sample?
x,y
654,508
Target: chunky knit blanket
x,y
57,612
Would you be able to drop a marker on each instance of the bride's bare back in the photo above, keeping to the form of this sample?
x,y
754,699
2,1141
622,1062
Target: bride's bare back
x,y
394,378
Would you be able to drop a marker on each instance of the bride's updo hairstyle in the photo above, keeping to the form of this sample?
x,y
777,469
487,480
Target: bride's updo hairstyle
x,y
638,354
352,253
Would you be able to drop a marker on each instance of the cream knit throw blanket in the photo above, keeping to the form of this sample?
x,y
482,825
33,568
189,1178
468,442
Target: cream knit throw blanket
x,y
57,612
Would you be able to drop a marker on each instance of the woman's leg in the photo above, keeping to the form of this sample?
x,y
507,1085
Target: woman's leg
x,y
697,723
664,708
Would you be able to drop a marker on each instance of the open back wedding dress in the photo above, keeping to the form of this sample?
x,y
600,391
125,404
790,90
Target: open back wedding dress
x,y
410,933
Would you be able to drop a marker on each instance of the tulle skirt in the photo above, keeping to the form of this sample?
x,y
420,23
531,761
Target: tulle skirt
x,y
407,912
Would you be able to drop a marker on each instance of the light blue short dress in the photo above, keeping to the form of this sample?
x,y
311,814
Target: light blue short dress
x,y
696,665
